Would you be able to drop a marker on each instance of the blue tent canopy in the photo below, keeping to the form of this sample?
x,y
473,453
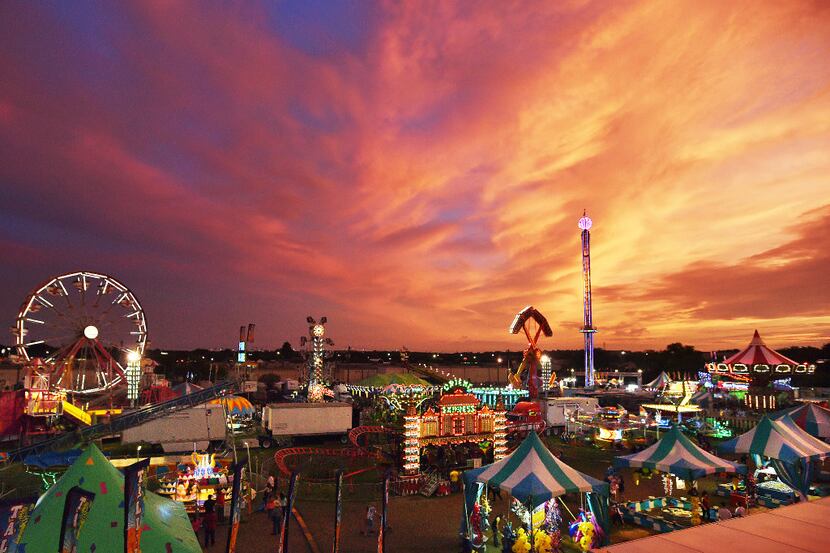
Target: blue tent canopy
x,y
53,459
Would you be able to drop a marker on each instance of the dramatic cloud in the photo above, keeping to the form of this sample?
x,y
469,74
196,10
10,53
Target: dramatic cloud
x,y
415,171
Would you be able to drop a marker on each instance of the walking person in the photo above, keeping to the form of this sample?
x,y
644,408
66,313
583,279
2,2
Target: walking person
x,y
268,492
705,505
209,521
270,507
370,519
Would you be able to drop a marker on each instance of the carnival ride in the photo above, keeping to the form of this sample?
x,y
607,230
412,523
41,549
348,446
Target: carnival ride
x,y
588,328
83,324
316,354
758,364
530,321
759,369
121,422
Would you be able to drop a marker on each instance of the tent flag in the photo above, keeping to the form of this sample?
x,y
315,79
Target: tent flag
x,y
286,512
338,492
14,515
236,507
384,514
532,473
134,505
75,513
675,453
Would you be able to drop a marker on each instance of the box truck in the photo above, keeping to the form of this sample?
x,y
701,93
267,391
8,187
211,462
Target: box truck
x,y
283,421
202,425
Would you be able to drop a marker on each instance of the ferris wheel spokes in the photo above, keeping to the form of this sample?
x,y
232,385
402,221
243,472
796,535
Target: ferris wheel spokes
x,y
83,335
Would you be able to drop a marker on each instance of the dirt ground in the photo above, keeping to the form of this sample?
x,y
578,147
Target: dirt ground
x,y
421,524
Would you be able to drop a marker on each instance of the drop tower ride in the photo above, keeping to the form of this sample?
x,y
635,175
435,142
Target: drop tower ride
x,y
588,329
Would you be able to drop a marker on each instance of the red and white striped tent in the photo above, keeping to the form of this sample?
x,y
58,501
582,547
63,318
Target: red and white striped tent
x,y
758,353
757,357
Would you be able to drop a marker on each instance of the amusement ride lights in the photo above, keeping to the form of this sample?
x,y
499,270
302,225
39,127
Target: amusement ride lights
x,y
411,450
316,360
81,322
588,328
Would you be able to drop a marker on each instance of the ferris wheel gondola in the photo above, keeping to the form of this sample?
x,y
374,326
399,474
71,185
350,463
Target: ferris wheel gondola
x,y
82,325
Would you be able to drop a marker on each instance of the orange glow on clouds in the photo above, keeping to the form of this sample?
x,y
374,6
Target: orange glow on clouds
x,y
419,181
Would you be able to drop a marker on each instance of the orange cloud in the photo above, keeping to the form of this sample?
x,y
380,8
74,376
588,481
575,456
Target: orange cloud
x,y
419,180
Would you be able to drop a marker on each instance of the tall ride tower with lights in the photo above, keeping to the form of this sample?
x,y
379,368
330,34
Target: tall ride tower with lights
x,y
588,329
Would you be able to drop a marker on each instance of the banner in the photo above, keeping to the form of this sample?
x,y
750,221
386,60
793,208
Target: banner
x,y
338,493
286,513
14,515
75,512
236,507
384,513
134,505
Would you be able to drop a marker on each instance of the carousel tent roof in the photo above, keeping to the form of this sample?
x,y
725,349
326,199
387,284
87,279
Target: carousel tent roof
x,y
659,382
778,439
166,526
812,418
381,380
676,454
757,353
235,405
532,474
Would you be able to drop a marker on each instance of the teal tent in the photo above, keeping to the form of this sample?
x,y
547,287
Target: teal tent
x,y
677,454
793,451
533,475
814,419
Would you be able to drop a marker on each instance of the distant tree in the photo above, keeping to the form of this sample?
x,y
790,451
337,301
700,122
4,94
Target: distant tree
x,y
269,379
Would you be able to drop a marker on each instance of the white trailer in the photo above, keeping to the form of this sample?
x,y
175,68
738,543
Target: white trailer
x,y
559,409
195,427
283,421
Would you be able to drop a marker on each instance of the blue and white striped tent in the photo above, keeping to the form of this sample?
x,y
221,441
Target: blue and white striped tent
x,y
780,439
676,454
532,474
793,452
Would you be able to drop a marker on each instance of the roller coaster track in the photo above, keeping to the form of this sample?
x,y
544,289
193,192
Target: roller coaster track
x,y
359,431
357,451
347,452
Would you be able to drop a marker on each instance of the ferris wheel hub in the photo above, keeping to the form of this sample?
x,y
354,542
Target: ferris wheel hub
x,y
91,332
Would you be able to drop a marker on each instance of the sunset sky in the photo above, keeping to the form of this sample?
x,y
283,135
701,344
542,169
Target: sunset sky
x,y
415,171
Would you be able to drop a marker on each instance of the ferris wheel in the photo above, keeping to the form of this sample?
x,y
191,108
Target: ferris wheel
x,y
83,325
